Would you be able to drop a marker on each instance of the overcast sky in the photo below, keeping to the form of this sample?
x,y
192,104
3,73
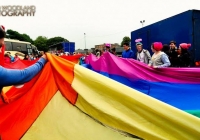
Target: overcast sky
x,y
103,21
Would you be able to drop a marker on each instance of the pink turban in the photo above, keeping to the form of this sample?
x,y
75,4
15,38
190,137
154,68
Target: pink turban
x,y
157,46
185,45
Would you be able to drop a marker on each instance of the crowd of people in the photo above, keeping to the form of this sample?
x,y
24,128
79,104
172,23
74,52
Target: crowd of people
x,y
8,58
106,49
61,53
167,55
163,56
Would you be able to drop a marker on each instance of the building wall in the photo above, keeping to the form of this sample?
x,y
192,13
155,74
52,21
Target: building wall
x,y
101,46
119,49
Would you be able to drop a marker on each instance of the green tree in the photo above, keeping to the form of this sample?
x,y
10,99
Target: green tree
x,y
41,43
56,40
27,38
15,35
126,39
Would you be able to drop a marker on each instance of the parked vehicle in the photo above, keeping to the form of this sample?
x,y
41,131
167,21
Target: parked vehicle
x,y
21,47
183,28
65,46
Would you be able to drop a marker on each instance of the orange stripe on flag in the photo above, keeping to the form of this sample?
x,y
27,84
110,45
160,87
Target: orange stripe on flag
x,y
17,117
63,71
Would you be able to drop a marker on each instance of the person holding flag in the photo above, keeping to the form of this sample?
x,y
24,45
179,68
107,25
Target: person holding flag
x,y
10,77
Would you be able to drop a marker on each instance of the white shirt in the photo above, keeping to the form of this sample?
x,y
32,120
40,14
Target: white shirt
x,y
140,56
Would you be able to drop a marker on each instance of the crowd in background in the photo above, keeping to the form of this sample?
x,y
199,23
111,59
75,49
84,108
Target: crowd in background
x,y
8,58
167,55
61,53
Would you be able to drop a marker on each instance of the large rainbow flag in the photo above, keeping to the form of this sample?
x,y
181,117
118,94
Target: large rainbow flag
x,y
179,87
68,101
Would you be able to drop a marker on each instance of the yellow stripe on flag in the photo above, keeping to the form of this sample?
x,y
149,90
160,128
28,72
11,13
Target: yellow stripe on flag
x,y
126,109
62,121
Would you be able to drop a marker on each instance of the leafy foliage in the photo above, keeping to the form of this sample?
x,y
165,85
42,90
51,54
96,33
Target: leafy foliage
x,y
126,39
15,35
56,41
41,43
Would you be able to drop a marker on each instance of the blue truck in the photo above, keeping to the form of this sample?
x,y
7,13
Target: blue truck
x,y
68,47
182,28
65,46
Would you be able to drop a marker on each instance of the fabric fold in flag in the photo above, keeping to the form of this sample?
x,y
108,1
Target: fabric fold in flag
x,y
68,101
178,87
129,110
